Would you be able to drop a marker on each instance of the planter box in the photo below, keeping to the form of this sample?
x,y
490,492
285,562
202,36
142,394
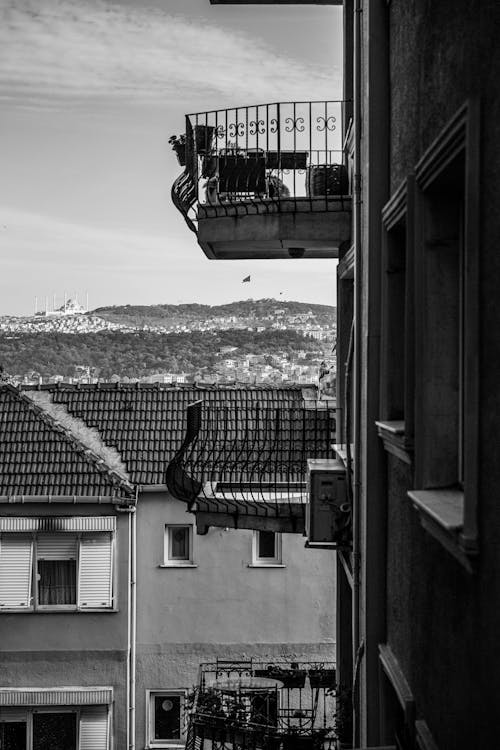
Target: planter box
x,y
322,678
291,678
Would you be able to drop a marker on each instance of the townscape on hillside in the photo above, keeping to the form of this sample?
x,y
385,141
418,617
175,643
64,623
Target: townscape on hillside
x,y
263,341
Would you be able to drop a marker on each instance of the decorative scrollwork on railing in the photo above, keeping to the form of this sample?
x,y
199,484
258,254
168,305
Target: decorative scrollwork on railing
x,y
236,130
220,131
257,126
294,123
273,125
326,123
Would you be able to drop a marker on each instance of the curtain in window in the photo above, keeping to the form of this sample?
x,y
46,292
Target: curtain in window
x,y
57,584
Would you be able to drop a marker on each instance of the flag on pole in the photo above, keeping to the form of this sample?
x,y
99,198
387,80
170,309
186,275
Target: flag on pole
x,y
247,278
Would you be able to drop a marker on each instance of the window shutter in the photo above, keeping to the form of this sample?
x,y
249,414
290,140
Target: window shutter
x,y
95,571
15,571
56,547
13,714
94,729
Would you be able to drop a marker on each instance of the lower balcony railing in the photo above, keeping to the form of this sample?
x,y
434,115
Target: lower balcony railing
x,y
276,706
247,467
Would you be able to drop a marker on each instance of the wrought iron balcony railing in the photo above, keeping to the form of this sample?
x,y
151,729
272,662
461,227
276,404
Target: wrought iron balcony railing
x,y
249,464
282,157
276,706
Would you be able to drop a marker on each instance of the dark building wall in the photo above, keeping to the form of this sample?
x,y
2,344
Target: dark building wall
x,y
442,621
434,615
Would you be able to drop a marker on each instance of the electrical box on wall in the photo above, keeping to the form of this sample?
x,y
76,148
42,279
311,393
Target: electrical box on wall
x,y
328,511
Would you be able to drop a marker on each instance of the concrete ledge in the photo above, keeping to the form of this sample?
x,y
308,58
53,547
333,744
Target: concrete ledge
x,y
241,231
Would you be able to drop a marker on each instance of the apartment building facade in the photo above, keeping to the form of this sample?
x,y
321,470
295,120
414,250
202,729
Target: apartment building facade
x,y
180,598
64,560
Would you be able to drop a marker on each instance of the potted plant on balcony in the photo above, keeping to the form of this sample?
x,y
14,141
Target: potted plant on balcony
x,y
322,677
327,179
178,143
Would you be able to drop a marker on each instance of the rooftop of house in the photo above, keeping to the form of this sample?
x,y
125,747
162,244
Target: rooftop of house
x,y
146,423
42,455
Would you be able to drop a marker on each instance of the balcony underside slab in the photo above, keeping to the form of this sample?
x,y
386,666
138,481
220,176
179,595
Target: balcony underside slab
x,y
249,230
293,523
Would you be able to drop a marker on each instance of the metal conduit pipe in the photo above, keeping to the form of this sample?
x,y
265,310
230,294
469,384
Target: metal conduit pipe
x,y
358,280
131,623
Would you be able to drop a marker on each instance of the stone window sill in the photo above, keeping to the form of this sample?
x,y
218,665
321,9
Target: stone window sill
x,y
265,565
177,565
395,440
441,514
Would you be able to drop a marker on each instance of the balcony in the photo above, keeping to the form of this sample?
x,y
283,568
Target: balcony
x,y
247,468
278,706
267,181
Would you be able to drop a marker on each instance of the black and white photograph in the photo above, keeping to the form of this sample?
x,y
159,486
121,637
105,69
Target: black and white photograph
x,y
249,374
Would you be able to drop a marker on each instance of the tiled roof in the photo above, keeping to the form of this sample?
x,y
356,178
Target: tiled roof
x,y
39,457
146,423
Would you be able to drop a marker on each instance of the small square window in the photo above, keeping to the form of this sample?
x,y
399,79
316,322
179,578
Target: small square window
x,y
178,545
165,724
266,548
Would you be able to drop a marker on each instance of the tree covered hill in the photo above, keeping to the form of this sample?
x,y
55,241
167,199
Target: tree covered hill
x,y
142,315
139,354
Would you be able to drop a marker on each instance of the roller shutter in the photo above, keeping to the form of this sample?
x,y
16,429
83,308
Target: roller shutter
x,y
15,571
95,571
94,729
56,547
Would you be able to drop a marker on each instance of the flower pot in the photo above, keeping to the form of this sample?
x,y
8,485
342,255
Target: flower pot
x,y
327,179
180,152
322,678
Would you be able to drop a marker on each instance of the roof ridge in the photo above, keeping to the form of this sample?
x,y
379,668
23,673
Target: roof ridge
x,y
97,461
109,385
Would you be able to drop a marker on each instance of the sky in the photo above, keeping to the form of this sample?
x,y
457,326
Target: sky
x,y
89,94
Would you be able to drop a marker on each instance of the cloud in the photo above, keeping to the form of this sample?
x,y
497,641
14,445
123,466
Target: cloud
x,y
70,48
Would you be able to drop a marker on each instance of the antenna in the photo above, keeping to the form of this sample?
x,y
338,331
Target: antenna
x,y
46,304
54,302
65,300
87,302
36,304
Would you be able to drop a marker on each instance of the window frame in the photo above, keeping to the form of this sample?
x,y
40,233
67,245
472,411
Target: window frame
x,y
450,514
396,423
36,578
34,605
79,711
267,562
150,741
175,562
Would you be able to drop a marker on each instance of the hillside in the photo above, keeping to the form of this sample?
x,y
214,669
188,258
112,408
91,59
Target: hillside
x,y
168,315
137,355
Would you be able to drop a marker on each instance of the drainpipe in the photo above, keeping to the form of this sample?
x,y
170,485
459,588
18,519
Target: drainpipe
x,y
357,76
131,624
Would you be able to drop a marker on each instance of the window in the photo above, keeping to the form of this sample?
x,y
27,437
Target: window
x,y
55,570
266,548
446,284
178,545
396,426
54,728
165,718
